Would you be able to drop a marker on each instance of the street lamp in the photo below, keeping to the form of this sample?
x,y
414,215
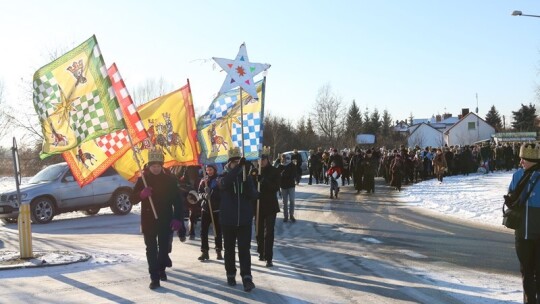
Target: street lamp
x,y
520,13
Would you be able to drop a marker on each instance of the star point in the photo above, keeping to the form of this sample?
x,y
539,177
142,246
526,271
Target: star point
x,y
241,76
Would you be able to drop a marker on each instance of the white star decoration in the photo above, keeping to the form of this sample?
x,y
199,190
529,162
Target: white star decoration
x,y
240,72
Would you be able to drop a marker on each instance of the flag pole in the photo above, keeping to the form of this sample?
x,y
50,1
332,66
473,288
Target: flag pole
x,y
137,159
242,125
260,160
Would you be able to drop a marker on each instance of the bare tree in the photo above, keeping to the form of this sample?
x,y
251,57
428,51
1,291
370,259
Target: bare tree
x,y
4,118
329,114
151,89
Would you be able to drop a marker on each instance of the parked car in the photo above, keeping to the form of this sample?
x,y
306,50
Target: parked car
x,y
305,156
54,190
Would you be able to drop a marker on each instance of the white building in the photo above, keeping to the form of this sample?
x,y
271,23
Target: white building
x,y
424,135
468,130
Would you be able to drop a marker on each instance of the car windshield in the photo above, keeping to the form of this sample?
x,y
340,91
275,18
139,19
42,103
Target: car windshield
x,y
46,175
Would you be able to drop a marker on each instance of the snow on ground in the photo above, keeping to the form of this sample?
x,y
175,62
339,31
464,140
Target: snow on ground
x,y
477,197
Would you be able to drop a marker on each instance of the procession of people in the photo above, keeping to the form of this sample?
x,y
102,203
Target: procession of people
x,y
248,195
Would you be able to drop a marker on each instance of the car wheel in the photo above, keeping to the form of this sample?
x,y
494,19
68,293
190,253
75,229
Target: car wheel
x,y
91,211
120,203
9,220
42,210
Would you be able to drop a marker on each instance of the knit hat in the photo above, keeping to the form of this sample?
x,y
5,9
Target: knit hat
x,y
234,154
265,153
530,152
155,156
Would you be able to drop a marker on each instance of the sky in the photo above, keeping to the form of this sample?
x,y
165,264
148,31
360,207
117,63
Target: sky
x,y
476,198
422,58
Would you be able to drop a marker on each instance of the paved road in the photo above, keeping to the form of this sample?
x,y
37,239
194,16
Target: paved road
x,y
357,249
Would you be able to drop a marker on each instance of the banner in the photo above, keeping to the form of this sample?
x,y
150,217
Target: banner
x,y
220,128
74,99
90,159
170,123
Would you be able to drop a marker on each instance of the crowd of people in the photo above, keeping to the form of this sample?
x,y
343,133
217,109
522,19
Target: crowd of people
x,y
245,194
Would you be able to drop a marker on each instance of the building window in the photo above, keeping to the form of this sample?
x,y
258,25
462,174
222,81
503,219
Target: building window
x,y
472,125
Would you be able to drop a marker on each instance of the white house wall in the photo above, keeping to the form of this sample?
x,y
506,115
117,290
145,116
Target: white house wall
x,y
425,136
461,135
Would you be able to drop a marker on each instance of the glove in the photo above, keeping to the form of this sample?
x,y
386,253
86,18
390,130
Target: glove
x,y
176,225
146,192
242,161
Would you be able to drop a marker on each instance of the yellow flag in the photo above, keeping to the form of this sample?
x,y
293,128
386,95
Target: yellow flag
x,y
170,123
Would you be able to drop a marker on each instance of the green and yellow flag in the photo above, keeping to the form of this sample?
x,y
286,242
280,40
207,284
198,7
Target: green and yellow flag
x,y
74,99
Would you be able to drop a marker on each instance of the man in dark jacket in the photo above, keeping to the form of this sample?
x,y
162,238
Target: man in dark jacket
x,y
236,217
268,207
209,191
163,190
287,184
297,161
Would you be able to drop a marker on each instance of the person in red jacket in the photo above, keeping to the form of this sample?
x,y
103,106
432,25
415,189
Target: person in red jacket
x,y
334,173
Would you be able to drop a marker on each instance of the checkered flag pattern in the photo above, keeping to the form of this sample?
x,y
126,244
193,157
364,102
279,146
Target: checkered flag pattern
x,y
219,108
46,94
88,116
111,143
252,133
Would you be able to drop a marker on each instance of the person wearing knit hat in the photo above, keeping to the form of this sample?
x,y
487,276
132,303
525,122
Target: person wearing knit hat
x,y
236,218
287,184
210,202
157,225
525,185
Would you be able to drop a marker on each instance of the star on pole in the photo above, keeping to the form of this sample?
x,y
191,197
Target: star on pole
x,y
240,72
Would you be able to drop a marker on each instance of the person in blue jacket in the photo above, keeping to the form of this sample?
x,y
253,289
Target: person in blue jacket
x,y
525,185
236,217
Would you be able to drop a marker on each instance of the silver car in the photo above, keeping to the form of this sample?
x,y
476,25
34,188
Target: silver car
x,y
54,190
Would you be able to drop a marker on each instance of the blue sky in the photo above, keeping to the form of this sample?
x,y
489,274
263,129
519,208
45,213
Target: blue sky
x,y
421,57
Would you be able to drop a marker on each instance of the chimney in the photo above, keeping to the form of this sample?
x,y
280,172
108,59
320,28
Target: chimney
x,y
464,111
438,118
446,115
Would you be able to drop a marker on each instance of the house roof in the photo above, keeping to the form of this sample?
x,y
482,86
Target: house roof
x,y
463,118
420,125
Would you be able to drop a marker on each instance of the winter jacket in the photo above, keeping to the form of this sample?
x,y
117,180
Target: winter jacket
x,y
287,175
166,198
269,186
439,163
211,193
530,227
237,197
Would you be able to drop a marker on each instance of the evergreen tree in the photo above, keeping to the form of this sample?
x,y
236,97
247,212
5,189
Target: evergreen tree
x,y
366,125
386,123
524,118
375,122
411,117
494,119
353,123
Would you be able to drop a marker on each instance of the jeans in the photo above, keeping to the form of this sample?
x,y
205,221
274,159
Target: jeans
x,y
288,201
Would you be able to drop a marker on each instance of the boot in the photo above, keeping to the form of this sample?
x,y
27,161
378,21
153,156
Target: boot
x,y
154,284
218,255
204,256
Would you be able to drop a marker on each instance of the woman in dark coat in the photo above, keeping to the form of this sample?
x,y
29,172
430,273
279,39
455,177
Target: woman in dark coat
x,y
396,171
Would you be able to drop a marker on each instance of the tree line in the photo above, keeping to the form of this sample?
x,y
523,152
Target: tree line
x,y
331,123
